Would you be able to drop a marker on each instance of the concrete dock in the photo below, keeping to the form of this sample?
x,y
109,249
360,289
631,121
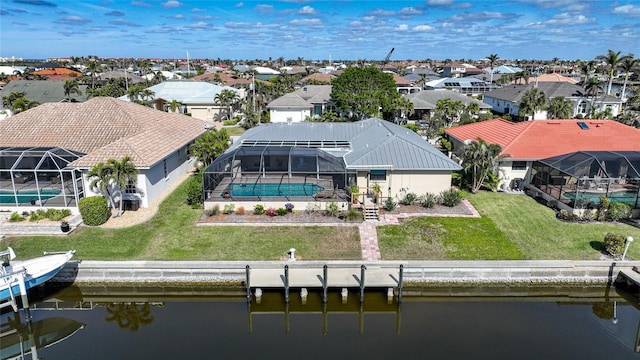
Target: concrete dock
x,y
314,277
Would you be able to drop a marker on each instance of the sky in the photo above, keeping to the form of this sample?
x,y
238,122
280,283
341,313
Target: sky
x,y
320,30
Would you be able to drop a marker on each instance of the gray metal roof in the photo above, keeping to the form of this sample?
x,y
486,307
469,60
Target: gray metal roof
x,y
372,143
515,92
43,91
428,99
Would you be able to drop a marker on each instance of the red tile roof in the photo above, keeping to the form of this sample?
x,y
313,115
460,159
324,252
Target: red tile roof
x,y
541,139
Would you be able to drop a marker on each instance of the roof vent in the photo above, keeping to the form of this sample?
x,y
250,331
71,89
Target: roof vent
x,y
583,125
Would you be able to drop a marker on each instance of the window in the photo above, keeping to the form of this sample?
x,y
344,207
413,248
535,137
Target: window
x,y
131,187
379,175
519,165
164,168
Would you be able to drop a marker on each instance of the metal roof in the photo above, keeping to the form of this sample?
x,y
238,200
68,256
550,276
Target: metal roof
x,y
371,143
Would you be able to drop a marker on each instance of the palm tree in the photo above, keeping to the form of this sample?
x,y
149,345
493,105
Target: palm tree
x,y
209,146
628,64
422,81
612,59
559,108
449,110
130,316
174,105
101,178
71,87
593,89
479,160
93,67
226,98
493,58
532,101
587,68
122,173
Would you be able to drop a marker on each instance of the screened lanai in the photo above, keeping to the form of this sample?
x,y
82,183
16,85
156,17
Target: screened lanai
x,y
268,172
39,177
579,179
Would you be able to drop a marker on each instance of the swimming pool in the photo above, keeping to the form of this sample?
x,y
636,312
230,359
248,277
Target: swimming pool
x,y
25,196
627,197
272,190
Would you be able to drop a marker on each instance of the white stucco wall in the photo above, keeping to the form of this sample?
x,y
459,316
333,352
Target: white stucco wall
x,y
282,116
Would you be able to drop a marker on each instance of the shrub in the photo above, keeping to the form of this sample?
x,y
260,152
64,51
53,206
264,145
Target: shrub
x,y
193,190
312,208
332,209
282,211
15,217
57,214
353,214
428,200
588,215
213,211
567,216
451,197
94,210
289,207
603,208
390,204
229,209
240,210
618,211
614,244
271,212
409,199
37,215
258,209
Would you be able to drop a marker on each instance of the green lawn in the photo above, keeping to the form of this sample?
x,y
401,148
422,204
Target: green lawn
x,y
511,227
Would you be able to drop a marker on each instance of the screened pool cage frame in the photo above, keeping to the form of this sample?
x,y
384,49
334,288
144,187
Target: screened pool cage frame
x,y
579,179
252,167
39,177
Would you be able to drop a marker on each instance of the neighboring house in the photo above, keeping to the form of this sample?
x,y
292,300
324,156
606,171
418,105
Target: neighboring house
x,y
131,77
546,78
525,142
308,101
195,98
324,78
264,73
466,85
43,91
309,164
58,73
453,70
425,102
403,85
507,100
46,152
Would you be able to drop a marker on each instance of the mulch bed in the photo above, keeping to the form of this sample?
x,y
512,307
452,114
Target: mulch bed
x,y
320,218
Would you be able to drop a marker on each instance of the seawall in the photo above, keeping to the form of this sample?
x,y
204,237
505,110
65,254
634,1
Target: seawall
x,y
414,272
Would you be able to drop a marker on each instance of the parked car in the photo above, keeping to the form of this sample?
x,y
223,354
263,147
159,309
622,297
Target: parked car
x,y
422,124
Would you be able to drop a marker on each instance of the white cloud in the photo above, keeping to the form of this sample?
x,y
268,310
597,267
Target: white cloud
x,y
566,19
307,10
171,4
73,20
410,11
423,28
402,27
314,23
629,10
439,2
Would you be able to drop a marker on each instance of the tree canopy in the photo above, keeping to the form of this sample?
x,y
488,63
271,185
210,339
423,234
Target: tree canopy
x,y
367,92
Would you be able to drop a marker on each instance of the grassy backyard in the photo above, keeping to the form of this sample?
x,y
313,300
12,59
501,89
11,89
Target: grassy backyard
x,y
511,227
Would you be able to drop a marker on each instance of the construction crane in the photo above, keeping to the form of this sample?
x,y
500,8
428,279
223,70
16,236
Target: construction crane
x,y
386,60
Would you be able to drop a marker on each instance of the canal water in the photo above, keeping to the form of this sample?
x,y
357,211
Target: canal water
x,y
430,323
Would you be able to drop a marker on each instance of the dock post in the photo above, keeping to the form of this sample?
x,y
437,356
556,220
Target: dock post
x,y
324,319
362,269
400,284
286,284
247,268
23,292
325,283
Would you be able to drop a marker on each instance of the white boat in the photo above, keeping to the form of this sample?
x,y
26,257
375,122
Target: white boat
x,y
28,273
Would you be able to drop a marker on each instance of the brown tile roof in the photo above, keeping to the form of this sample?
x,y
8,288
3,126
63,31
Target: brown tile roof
x,y
319,77
57,71
539,139
102,128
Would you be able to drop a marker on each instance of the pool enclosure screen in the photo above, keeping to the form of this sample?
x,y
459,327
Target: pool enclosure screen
x,y
259,172
579,179
39,177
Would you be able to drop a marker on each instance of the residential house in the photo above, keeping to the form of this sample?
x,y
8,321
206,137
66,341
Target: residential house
x,y
195,97
507,100
453,70
425,102
311,164
306,102
43,91
46,152
466,85
525,144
